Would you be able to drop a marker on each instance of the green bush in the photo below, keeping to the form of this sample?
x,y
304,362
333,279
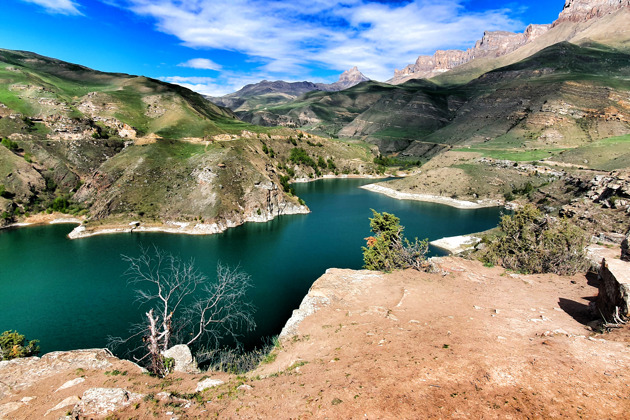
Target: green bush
x,y
530,242
14,345
11,145
388,250
60,204
284,181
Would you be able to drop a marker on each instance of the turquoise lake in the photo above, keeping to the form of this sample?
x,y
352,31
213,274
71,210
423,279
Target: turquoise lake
x,y
71,294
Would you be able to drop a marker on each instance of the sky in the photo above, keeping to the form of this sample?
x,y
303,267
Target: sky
x,y
217,47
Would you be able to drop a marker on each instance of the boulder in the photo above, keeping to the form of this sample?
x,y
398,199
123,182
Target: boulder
x,y
184,361
208,383
613,299
101,401
72,400
625,248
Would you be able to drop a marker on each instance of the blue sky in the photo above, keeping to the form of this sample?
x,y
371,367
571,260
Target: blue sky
x,y
216,47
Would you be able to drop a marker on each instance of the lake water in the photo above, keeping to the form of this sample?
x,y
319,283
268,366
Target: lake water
x,y
71,294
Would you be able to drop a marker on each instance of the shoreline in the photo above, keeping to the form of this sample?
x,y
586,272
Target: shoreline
x,y
39,220
456,244
430,198
344,176
186,228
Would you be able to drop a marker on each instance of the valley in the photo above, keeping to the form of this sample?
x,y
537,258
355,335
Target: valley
x,y
514,151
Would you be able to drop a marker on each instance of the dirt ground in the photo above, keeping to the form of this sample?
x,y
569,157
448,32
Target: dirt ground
x,y
472,342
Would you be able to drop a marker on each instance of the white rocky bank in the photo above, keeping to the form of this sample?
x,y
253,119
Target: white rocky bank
x,y
460,204
189,228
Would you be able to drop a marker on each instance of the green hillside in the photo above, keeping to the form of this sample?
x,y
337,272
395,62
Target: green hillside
x,y
561,97
113,146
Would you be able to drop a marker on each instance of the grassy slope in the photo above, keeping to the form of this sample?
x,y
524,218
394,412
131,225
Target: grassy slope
x,y
608,154
190,115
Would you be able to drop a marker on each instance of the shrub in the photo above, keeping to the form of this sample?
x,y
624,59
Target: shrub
x,y
60,204
11,145
284,181
530,242
14,345
388,250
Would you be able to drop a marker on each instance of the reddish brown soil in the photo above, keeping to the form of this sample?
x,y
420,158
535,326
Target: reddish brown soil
x,y
475,343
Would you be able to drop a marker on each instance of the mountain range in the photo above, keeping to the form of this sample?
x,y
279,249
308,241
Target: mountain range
x,y
115,146
260,95
562,83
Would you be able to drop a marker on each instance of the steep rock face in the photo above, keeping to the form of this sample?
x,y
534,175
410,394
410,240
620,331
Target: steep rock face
x,y
583,10
493,44
498,43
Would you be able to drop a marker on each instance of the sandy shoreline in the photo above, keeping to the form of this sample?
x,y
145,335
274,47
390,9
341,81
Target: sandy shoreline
x,y
460,204
456,244
42,220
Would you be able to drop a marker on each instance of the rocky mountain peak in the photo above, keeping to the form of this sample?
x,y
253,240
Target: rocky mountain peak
x,y
347,79
492,44
583,10
498,43
352,75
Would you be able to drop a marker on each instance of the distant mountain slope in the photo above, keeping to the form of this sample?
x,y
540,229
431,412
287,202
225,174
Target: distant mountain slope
x,y
264,94
564,95
602,21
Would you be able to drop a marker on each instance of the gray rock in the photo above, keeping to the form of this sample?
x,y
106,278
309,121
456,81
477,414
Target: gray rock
x,y
6,409
101,401
208,383
70,383
72,400
184,361
625,248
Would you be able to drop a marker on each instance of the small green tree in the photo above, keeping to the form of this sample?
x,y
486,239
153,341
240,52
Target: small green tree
x,y
14,345
388,250
531,242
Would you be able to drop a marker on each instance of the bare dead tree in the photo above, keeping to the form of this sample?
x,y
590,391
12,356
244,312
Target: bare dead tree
x,y
185,306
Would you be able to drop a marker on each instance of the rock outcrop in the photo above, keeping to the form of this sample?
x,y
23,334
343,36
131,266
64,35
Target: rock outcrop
x,y
583,10
611,191
493,44
625,248
102,401
14,379
613,300
347,79
499,43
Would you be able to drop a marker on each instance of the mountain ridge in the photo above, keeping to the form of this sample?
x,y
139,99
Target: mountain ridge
x,y
495,44
264,93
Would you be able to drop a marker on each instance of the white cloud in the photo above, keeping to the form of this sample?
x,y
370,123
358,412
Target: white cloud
x,y
201,63
64,7
291,38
